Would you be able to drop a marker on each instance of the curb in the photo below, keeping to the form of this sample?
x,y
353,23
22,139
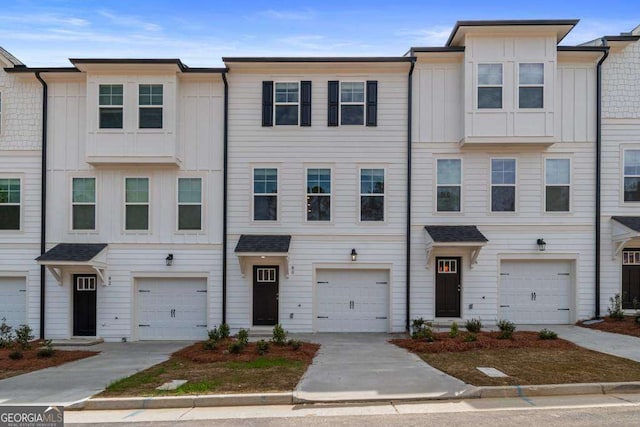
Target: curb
x,y
291,398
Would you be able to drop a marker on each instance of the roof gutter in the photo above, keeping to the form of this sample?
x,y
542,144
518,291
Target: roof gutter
x,y
43,201
225,156
408,238
598,173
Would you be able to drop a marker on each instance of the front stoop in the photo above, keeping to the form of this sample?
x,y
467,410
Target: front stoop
x,y
77,342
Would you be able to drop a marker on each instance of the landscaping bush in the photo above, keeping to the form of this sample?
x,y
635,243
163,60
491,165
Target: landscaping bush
x,y
294,344
243,337
262,347
454,330
422,330
45,352
6,334
24,336
210,345
16,355
506,329
473,325
214,335
615,310
279,335
546,334
224,331
470,337
235,348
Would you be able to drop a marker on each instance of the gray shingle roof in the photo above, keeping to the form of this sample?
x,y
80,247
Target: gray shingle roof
x,y
72,252
263,243
633,222
455,233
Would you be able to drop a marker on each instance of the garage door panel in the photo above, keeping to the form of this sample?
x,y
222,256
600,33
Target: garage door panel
x,y
13,301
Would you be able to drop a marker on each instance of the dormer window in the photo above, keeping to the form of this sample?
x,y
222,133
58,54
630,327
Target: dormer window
x,y
150,106
110,106
489,86
531,85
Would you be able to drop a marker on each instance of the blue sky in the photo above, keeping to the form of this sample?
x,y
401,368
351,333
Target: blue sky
x,y
47,32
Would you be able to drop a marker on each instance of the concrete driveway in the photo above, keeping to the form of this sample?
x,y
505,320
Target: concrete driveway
x,y
366,366
74,381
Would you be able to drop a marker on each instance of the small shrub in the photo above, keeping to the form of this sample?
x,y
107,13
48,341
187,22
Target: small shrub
x,y
6,334
224,331
422,330
243,337
235,348
506,329
24,336
16,355
470,337
279,335
473,325
637,318
210,345
214,335
454,330
546,334
45,352
262,347
294,344
615,310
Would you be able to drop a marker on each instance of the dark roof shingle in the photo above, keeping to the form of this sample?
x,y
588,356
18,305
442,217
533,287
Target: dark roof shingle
x,y
455,233
263,243
79,252
633,222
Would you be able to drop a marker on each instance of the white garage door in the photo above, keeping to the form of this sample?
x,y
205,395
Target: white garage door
x,y
13,301
171,309
536,292
352,300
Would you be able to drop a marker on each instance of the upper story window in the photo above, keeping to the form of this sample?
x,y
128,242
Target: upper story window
x,y
352,103
503,185
10,204
318,194
83,201
489,85
286,103
531,85
557,185
110,99
287,99
189,203
150,106
372,195
265,194
136,204
449,187
631,175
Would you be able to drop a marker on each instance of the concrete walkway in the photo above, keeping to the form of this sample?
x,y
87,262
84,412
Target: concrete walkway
x,y
365,367
604,342
74,381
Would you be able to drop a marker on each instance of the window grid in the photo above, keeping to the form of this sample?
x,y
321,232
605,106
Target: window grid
x,y
110,101
83,203
318,194
490,81
150,103
531,85
86,283
189,203
372,190
631,176
630,257
352,101
136,203
266,275
557,185
449,185
287,103
265,194
10,203
446,266
503,185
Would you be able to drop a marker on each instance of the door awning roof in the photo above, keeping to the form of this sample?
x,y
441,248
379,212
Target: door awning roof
x,y
624,229
263,246
467,236
75,254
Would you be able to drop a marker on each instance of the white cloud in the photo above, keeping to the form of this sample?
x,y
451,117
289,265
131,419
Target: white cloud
x,y
130,21
301,15
434,36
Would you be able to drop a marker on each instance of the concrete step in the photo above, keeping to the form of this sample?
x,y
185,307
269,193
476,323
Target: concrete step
x,y
261,332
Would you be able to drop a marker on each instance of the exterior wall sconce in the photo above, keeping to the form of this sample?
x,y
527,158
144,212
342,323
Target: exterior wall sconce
x,y
542,245
354,255
169,259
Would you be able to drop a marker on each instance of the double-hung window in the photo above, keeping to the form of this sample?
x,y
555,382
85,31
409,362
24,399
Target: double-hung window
x,y
83,200
531,85
10,204
489,85
110,99
265,194
372,195
150,106
449,185
318,194
632,175
189,203
136,203
287,102
557,185
352,103
503,185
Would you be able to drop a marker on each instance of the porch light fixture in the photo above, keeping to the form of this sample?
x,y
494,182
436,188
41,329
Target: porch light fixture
x,y
169,259
354,255
541,244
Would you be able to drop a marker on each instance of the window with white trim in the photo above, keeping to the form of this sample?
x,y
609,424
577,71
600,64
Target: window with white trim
x,y
531,85
189,203
83,204
489,86
557,185
110,98
287,103
150,102
136,204
447,266
630,257
352,101
372,195
449,185
265,194
266,274
503,185
87,283
631,174
318,194
10,201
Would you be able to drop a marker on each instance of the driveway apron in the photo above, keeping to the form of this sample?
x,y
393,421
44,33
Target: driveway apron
x,y
74,381
366,366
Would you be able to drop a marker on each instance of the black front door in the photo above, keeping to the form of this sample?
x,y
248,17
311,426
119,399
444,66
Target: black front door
x,y
630,278
84,305
448,287
265,295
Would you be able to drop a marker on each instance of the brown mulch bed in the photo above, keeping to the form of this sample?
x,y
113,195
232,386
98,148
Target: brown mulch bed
x,y
197,353
31,362
626,326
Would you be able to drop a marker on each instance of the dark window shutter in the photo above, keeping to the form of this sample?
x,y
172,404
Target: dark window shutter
x,y
334,100
372,103
305,103
267,103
